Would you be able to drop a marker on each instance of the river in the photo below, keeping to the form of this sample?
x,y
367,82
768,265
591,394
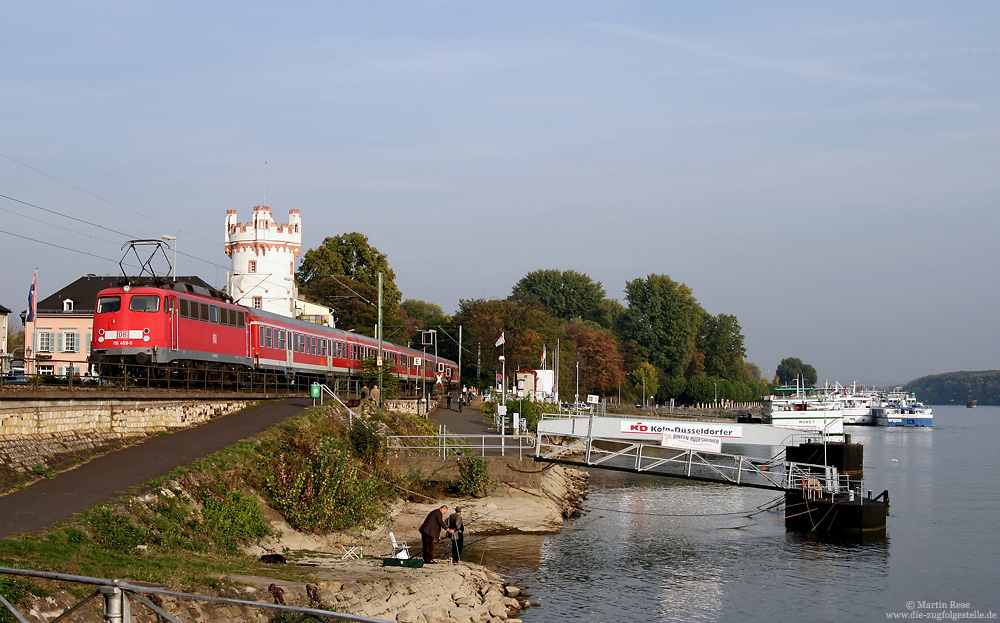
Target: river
x,y
660,549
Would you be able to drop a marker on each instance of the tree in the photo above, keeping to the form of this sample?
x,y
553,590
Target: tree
x,y
526,330
418,315
721,341
663,317
791,367
564,294
602,364
646,380
350,255
354,304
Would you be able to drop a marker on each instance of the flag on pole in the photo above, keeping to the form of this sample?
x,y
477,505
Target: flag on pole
x,y
543,356
500,339
32,298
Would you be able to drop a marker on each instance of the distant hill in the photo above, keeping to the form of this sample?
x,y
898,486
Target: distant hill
x,y
957,388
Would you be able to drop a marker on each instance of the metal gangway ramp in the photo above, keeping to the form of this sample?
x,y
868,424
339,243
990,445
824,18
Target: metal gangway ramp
x,y
625,445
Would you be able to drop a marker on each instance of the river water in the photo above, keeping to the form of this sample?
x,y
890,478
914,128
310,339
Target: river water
x,y
660,549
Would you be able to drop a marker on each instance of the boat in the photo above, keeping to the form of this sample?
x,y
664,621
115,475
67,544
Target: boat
x,y
899,408
805,409
856,404
971,403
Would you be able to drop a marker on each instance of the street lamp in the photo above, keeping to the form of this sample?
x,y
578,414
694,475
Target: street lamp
x,y
168,237
577,395
503,381
716,392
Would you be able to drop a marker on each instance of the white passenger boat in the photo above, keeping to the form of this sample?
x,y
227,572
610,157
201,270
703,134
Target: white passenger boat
x,y
900,408
805,409
856,404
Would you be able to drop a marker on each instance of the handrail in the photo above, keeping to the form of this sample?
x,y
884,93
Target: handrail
x,y
117,593
450,444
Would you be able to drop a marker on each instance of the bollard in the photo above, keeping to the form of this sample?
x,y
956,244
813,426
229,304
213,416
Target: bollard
x,y
116,605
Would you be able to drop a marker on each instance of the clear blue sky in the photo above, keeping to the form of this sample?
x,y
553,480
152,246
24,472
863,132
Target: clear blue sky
x,y
827,172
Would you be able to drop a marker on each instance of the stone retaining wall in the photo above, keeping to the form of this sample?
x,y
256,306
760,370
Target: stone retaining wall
x,y
54,437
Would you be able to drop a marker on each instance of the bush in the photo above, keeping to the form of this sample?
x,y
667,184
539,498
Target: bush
x,y
474,476
116,531
236,518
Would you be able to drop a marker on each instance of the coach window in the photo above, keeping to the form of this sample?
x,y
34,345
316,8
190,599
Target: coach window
x,y
109,304
267,338
213,314
260,336
280,339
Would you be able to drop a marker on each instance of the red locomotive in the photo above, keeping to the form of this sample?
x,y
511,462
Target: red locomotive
x,y
167,331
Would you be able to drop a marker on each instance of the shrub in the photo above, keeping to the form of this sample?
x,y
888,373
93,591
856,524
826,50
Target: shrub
x,y
235,518
115,530
474,476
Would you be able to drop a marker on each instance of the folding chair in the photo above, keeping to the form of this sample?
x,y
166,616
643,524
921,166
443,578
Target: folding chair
x,y
399,548
352,552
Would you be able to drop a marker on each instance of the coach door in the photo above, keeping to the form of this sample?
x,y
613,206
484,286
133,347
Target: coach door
x,y
289,350
171,309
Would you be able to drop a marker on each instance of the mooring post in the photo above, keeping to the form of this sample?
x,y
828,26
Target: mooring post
x,y
116,605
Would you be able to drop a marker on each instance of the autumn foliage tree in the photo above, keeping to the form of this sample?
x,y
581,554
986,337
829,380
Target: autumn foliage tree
x,y
602,363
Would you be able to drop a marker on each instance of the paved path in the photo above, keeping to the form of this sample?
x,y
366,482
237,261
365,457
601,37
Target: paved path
x,y
469,422
50,500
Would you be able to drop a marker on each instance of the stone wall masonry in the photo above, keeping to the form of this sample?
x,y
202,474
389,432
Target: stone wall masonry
x,y
45,435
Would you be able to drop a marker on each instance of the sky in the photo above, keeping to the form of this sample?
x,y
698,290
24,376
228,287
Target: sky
x,y
826,172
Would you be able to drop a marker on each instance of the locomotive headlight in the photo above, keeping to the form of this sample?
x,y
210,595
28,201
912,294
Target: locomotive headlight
x,y
145,331
145,338
100,339
100,332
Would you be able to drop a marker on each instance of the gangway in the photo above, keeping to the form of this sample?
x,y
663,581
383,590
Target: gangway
x,y
634,445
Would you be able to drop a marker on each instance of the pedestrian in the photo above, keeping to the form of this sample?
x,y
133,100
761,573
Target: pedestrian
x,y
457,526
430,531
448,398
461,402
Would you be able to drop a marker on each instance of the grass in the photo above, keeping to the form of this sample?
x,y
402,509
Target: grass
x,y
186,530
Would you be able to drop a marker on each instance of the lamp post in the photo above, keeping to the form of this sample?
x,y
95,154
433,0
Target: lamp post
x,y
168,238
503,380
576,396
716,392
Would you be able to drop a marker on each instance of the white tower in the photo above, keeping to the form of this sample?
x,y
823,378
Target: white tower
x,y
263,255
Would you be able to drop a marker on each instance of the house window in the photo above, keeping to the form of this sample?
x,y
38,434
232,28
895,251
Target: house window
x,y
70,342
258,302
252,268
68,305
44,342
46,370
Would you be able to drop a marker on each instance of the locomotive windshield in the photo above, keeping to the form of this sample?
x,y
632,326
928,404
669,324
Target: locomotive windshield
x,y
109,304
144,303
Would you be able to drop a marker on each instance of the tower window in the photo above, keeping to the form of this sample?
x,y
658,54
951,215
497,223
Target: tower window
x,y
258,302
252,267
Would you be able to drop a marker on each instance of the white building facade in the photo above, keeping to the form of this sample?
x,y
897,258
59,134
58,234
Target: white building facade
x,y
263,256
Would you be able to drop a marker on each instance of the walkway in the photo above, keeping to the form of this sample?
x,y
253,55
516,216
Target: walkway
x,y
50,500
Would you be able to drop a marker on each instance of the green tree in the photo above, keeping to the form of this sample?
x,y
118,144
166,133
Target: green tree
x,y
663,317
350,255
646,380
791,367
564,294
721,341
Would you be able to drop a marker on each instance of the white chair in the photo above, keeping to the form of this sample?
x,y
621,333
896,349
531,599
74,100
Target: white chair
x,y
399,548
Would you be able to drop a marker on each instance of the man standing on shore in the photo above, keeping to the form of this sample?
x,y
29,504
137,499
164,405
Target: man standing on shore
x,y
457,528
430,531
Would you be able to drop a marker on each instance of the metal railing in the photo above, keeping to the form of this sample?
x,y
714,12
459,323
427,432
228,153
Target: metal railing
x,y
119,597
446,444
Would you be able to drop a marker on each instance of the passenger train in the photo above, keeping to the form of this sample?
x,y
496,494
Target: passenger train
x,y
176,331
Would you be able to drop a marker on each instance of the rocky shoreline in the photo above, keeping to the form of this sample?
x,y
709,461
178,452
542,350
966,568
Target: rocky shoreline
x,y
536,501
